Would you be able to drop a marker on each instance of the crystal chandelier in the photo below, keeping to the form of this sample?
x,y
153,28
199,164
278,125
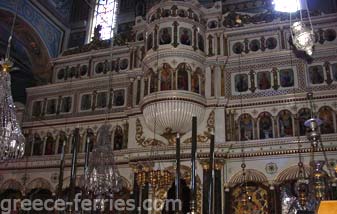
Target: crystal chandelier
x,y
102,178
12,141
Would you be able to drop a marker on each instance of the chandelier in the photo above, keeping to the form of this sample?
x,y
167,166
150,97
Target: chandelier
x,y
303,38
102,177
12,141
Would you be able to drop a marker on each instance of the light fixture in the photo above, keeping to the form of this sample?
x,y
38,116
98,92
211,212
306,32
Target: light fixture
x,y
12,141
319,179
302,37
287,6
102,178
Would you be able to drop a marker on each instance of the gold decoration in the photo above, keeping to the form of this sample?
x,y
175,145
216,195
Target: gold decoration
x,y
156,178
141,140
218,164
186,175
6,65
161,194
210,128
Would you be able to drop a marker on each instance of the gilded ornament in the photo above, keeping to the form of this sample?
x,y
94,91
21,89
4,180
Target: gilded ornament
x,y
141,140
210,129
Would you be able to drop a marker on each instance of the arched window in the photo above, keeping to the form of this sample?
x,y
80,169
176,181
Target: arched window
x,y
285,123
62,140
105,16
166,77
182,79
118,138
90,139
195,82
303,115
327,116
265,126
153,82
50,143
29,144
149,41
246,127
38,145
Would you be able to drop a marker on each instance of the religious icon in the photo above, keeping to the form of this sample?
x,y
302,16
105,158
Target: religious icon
x,y
241,82
124,64
51,106
119,97
182,77
285,124
212,24
326,115
66,104
153,82
303,115
185,36
38,145
316,74
165,81
49,145
195,83
86,102
118,138
254,45
62,139
165,36
246,127
334,71
266,126
99,68
37,108
287,78
257,202
149,42
271,43
201,42
263,80
102,99
182,13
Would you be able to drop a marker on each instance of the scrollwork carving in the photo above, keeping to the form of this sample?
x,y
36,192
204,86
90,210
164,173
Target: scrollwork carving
x,y
210,128
141,140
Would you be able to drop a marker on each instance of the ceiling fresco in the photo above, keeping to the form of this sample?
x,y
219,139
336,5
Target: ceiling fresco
x,y
30,56
50,34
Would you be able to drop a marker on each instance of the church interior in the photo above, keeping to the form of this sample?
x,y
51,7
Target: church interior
x,y
225,107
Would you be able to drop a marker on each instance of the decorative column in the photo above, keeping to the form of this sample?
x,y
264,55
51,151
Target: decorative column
x,y
156,37
218,43
195,31
130,93
210,45
225,45
175,34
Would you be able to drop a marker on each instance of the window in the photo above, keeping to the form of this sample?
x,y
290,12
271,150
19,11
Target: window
x,y
105,15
